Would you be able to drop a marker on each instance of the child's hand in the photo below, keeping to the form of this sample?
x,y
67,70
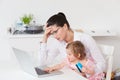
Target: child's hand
x,y
84,70
49,69
87,70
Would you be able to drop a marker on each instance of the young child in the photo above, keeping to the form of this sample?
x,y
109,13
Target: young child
x,y
76,53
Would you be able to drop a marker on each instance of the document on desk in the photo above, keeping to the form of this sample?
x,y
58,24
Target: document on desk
x,y
68,74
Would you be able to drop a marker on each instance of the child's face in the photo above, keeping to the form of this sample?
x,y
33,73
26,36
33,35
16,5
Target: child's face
x,y
70,56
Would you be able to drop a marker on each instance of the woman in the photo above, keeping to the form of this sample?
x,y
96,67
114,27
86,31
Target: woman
x,y
58,26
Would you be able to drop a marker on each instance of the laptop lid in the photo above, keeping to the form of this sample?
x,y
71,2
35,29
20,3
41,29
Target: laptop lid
x,y
25,61
27,64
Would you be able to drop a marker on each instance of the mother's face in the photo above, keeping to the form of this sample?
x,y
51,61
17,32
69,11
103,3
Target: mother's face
x,y
59,32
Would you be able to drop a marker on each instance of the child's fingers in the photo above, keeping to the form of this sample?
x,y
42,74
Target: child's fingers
x,y
48,69
83,69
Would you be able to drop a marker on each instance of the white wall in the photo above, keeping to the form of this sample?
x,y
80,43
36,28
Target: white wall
x,y
80,13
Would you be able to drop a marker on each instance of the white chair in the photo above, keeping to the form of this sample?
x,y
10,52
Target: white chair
x,y
108,54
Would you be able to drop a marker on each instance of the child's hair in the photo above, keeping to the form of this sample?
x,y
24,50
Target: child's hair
x,y
77,49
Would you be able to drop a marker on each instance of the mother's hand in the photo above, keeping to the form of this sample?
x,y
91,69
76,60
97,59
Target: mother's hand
x,y
47,33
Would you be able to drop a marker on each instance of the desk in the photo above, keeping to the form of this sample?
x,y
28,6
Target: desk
x,y
10,72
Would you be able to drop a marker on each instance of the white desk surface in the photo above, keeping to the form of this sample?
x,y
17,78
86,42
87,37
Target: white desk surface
x,y
9,72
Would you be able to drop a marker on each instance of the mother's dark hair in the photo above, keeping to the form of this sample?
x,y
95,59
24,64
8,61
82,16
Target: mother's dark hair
x,y
58,19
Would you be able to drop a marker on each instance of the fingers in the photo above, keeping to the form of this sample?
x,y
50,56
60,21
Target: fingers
x,y
48,30
47,33
48,70
83,69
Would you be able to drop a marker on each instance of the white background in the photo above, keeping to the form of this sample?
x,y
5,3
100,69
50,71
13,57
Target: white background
x,y
80,13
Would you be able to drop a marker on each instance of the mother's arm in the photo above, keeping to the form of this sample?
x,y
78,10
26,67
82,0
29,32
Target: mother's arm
x,y
48,51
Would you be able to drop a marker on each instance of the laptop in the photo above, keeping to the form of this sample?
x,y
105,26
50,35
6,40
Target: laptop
x,y
27,64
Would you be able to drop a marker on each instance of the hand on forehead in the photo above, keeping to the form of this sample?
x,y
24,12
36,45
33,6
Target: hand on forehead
x,y
52,28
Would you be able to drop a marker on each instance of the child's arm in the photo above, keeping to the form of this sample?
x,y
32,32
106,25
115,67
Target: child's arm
x,y
56,67
89,68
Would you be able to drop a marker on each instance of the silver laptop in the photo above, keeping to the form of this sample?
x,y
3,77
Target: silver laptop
x,y
27,64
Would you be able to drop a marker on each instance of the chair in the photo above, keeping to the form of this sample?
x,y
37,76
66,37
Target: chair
x,y
108,54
